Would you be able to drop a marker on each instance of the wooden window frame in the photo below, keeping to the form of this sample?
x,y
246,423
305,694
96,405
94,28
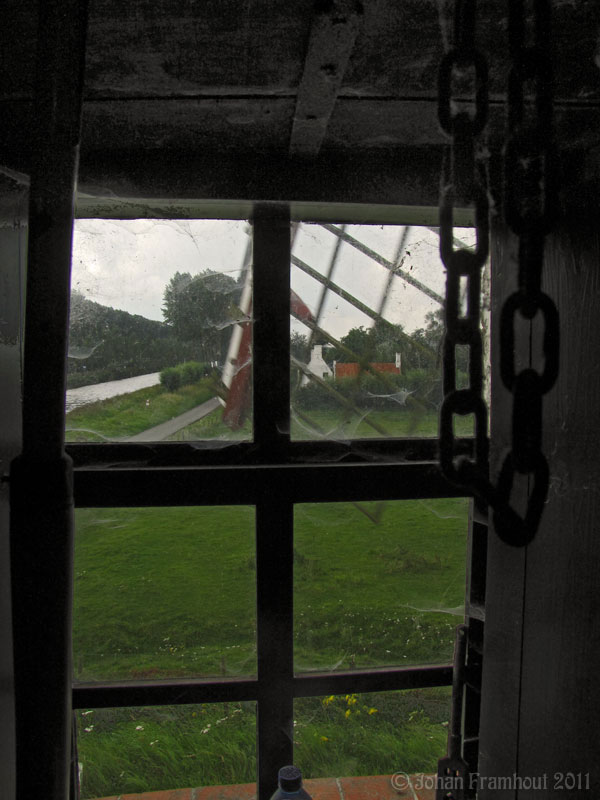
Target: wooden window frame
x,y
272,474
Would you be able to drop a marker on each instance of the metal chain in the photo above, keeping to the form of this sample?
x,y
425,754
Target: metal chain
x,y
463,178
530,210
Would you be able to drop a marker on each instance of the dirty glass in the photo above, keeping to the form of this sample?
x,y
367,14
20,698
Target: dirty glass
x,y
160,331
366,331
378,584
164,593
379,734
130,750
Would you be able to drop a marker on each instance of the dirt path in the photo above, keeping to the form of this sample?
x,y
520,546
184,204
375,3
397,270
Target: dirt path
x,y
159,432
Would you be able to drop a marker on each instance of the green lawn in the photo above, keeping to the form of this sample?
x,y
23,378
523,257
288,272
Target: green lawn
x,y
410,421
128,414
149,749
170,592
317,424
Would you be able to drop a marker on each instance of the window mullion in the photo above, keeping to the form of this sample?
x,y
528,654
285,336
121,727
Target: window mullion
x,y
274,511
274,612
271,329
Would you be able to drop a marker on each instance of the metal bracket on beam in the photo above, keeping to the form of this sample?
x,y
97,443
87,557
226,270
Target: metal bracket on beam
x,y
333,33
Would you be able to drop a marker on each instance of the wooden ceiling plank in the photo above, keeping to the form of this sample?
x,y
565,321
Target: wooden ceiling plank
x,y
333,33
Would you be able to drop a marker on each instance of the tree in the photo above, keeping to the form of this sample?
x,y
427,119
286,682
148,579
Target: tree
x,y
299,347
358,342
429,354
201,308
379,343
388,339
432,338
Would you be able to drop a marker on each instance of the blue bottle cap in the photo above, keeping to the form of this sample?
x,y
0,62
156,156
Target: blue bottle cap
x,y
290,778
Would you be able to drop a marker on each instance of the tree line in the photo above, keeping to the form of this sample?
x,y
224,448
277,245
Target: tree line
x,y
421,349
199,312
108,344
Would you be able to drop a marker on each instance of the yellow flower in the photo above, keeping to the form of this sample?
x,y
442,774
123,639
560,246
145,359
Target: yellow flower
x,y
324,738
347,714
352,701
372,711
328,700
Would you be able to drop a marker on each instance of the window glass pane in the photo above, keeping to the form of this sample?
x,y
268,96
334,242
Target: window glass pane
x,y
159,344
164,592
366,331
123,750
378,584
377,733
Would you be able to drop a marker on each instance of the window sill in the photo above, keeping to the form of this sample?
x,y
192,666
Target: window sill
x,y
377,787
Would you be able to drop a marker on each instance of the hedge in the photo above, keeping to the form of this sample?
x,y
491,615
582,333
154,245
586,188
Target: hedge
x,y
172,378
373,391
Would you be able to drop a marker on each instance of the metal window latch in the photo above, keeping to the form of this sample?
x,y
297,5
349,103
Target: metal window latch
x,y
453,769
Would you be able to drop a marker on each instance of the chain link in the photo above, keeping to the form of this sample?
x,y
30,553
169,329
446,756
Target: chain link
x,y
462,179
530,212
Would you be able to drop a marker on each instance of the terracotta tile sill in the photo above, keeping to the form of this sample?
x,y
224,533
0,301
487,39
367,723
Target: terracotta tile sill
x,y
377,787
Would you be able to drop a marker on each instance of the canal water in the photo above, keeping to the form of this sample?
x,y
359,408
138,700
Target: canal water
x,y
102,391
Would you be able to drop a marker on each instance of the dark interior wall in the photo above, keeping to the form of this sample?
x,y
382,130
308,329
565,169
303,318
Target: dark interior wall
x,y
13,233
540,703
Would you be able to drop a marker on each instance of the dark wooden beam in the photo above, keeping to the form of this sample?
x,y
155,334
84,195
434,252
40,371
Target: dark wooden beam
x,y
41,484
400,176
333,33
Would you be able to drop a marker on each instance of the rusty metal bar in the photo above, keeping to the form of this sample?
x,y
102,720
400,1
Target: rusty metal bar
x,y
41,478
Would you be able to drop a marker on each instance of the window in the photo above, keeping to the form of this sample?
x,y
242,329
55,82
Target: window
x,y
285,484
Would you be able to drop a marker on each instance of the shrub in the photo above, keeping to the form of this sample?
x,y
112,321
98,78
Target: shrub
x,y
191,372
314,395
366,391
184,374
170,378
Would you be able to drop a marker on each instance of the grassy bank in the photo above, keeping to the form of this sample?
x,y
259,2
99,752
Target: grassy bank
x,y
403,421
128,414
171,592
327,424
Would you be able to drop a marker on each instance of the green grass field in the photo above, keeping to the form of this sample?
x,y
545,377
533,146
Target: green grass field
x,y
128,414
170,592
339,425
146,749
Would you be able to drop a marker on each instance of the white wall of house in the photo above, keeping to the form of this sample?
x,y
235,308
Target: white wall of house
x,y
317,365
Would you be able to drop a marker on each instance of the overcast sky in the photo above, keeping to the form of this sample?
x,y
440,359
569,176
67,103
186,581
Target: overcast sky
x,y
127,264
